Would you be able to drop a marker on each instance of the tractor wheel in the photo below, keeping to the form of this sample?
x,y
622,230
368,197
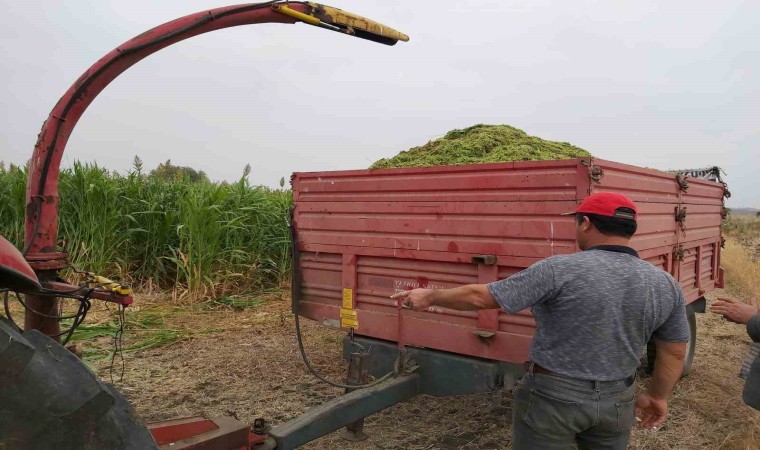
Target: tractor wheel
x,y
50,399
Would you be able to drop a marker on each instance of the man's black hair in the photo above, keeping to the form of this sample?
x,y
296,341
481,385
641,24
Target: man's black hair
x,y
611,226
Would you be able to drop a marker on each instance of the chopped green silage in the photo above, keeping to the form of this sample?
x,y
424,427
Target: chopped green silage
x,y
482,144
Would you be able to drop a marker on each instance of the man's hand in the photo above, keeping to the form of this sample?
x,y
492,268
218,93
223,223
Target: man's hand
x,y
470,297
652,405
416,299
650,411
734,310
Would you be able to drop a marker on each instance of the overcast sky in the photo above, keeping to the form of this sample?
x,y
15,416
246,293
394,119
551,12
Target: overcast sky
x,y
663,84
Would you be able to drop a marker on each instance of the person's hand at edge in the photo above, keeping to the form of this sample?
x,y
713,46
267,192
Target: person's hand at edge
x,y
734,310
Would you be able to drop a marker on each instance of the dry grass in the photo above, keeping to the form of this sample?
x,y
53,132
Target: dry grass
x,y
742,267
709,401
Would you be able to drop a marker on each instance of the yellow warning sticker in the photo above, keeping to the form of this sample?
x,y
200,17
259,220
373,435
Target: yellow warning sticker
x,y
349,318
348,298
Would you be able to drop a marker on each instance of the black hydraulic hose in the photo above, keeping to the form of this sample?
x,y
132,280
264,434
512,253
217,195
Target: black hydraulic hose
x,y
320,377
84,307
55,293
79,316
118,344
8,310
49,316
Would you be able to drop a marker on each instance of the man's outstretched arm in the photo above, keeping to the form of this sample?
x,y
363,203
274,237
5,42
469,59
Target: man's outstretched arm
x,y
464,298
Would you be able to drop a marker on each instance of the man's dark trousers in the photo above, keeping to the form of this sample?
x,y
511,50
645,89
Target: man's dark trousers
x,y
551,412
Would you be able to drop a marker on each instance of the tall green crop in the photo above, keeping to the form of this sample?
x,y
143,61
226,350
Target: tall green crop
x,y
198,237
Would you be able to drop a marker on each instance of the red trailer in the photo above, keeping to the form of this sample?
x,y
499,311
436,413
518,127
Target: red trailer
x,y
362,235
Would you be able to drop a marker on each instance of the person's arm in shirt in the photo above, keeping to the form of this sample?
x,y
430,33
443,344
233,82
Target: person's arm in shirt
x,y
671,340
522,290
463,298
739,312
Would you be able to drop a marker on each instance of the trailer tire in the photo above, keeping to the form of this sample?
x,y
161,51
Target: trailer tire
x,y
691,347
50,399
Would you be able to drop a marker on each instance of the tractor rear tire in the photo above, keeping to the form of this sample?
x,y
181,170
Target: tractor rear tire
x,y
50,399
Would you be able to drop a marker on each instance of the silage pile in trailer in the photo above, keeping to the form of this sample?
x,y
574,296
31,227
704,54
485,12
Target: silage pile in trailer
x,y
482,144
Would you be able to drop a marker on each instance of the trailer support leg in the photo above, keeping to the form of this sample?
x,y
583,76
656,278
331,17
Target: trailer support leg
x,y
358,373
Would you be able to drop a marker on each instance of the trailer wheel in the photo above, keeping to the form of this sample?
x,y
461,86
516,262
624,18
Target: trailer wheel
x,y
691,346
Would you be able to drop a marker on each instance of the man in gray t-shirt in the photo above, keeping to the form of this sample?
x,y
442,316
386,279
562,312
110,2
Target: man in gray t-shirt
x,y
595,311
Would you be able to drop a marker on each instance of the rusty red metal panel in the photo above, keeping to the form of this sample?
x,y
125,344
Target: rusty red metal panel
x,y
524,181
178,429
700,239
657,227
488,319
417,254
435,227
698,271
703,192
48,261
657,259
321,277
641,185
200,433
528,229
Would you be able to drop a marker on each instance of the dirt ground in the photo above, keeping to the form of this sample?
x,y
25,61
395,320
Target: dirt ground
x,y
247,363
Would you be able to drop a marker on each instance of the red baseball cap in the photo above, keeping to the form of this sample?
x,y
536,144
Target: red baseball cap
x,y
607,204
